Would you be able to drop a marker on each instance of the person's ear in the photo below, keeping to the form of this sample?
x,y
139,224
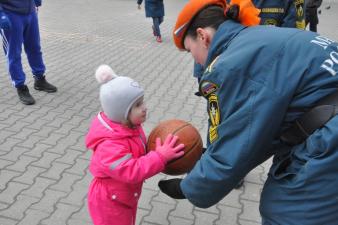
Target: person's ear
x,y
204,36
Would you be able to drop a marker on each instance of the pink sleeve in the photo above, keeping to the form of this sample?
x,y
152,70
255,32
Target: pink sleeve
x,y
116,161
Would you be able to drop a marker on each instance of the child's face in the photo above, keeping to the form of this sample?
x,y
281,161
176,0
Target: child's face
x,y
138,112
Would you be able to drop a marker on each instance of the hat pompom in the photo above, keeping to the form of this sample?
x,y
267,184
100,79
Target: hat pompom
x,y
104,73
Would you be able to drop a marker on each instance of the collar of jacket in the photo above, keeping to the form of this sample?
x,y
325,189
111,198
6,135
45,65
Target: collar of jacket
x,y
114,127
222,38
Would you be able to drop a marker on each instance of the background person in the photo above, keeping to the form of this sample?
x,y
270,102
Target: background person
x,y
19,26
155,10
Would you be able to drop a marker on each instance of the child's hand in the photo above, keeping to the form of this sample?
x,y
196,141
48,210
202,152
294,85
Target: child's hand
x,y
139,6
168,150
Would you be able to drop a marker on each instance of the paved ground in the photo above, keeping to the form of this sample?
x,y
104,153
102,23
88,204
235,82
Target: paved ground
x,y
43,160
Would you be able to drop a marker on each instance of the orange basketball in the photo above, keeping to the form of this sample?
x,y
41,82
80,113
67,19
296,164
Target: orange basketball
x,y
188,135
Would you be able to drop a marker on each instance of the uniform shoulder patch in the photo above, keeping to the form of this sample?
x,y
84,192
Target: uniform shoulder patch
x,y
207,88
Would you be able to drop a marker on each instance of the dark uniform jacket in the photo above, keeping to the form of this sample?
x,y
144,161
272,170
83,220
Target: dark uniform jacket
x,y
257,81
18,6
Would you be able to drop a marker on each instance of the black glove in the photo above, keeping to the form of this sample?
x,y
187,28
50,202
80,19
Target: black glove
x,y
198,94
239,184
171,188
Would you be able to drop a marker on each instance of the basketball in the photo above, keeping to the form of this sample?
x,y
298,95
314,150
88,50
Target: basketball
x,y
188,135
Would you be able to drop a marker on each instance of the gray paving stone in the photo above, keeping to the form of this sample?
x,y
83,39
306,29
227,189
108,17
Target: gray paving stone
x,y
159,213
6,176
17,127
66,182
253,193
60,215
48,201
31,142
250,211
228,215
146,198
80,167
16,210
203,217
55,171
77,194
7,221
46,160
14,153
37,151
22,163
232,199
246,222
33,217
29,175
183,210
179,220
141,213
4,163
38,187
69,157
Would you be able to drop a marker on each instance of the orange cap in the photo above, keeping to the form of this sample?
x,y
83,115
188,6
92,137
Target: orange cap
x,y
248,16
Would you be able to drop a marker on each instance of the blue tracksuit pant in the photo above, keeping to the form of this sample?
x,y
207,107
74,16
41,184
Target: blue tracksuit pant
x,y
25,30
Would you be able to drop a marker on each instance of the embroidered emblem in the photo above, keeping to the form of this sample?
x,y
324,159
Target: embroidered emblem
x,y
300,20
214,115
213,135
207,88
270,22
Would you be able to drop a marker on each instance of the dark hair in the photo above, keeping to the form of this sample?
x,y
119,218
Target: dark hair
x,y
211,16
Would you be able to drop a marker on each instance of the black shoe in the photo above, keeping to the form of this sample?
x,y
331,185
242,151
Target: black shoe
x,y
24,95
42,85
240,184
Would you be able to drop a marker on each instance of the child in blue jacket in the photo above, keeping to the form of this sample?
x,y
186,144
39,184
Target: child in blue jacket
x,y
155,10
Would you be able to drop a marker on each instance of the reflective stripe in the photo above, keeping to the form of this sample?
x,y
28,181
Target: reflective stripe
x,y
144,144
104,122
117,162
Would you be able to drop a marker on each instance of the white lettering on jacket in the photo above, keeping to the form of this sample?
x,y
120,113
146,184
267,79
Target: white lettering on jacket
x,y
331,63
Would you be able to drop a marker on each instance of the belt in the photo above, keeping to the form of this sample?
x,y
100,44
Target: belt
x,y
315,118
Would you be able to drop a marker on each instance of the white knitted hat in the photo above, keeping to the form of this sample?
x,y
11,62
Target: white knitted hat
x,y
117,93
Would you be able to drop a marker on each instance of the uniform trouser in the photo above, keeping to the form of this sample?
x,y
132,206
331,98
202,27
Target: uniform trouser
x,y
25,30
302,186
156,24
312,18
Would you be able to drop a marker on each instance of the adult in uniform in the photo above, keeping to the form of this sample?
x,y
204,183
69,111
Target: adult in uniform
x,y
271,92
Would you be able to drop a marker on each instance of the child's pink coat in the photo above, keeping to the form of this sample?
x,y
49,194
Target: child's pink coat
x,y
119,166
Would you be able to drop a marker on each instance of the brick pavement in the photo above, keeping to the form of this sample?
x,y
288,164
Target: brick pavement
x,y
43,160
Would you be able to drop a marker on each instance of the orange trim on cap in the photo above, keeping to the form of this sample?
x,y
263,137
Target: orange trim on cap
x,y
248,16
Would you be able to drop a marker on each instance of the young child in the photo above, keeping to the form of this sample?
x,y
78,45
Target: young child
x,y
119,162
155,10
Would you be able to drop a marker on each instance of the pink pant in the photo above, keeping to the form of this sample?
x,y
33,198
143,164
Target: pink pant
x,y
107,208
